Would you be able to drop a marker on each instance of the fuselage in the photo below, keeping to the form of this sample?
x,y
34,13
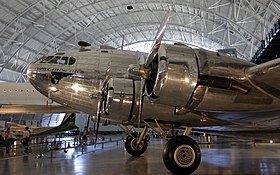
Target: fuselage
x,y
186,80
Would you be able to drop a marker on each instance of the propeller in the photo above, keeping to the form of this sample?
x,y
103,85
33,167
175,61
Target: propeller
x,y
157,40
100,97
144,70
99,105
140,58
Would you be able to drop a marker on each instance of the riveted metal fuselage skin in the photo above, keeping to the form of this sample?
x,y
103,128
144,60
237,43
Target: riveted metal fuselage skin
x,y
173,89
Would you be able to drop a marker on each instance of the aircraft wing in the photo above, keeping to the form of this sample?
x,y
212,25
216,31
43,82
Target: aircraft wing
x,y
12,124
15,127
32,109
257,134
265,77
249,120
260,125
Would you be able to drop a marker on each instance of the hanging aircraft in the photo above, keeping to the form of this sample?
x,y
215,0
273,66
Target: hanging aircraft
x,y
171,85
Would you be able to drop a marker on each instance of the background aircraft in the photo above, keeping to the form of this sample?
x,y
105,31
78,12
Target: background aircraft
x,y
23,98
67,124
171,85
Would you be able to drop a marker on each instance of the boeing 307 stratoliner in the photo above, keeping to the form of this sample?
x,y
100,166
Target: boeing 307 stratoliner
x,y
171,85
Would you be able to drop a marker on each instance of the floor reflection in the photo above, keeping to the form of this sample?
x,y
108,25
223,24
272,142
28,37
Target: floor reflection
x,y
216,159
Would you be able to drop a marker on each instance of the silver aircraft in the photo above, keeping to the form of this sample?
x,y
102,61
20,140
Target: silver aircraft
x,y
172,85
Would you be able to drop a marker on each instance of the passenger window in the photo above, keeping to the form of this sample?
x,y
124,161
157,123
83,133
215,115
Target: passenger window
x,y
40,59
55,60
72,60
46,59
63,60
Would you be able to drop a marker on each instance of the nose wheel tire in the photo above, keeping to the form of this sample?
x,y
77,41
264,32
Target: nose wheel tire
x,y
131,145
181,155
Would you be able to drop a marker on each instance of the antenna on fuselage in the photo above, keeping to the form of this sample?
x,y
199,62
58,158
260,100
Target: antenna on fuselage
x,y
83,45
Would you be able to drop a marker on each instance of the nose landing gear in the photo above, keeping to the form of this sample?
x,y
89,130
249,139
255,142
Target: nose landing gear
x,y
181,154
132,147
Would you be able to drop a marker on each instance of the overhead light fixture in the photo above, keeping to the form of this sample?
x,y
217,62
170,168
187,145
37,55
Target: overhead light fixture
x,y
39,25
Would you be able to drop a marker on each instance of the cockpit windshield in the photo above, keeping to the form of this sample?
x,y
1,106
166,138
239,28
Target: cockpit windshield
x,y
57,60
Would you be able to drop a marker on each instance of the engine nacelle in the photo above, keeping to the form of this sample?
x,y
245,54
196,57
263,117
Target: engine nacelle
x,y
174,75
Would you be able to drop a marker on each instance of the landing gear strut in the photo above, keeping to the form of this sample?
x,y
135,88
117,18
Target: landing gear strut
x,y
132,147
136,144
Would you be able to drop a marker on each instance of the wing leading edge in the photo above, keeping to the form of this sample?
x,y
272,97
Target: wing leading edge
x,y
265,77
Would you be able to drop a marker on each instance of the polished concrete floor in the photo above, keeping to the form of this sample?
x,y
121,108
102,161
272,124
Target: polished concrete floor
x,y
226,159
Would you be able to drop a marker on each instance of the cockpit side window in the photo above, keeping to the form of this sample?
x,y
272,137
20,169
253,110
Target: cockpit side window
x,y
47,59
40,59
63,60
55,60
71,61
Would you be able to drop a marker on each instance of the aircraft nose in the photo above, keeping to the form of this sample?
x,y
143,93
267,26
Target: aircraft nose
x,y
38,77
31,72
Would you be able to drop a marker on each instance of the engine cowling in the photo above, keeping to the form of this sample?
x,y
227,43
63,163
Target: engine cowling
x,y
174,75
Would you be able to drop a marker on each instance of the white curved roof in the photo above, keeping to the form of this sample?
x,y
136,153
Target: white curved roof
x,y
31,28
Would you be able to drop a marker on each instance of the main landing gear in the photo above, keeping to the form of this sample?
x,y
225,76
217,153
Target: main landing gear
x,y
181,154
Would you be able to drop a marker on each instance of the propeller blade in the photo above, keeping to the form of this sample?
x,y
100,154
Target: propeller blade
x,y
142,90
140,59
144,72
98,120
157,40
97,130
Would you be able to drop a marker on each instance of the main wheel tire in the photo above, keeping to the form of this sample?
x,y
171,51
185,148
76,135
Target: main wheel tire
x,y
181,155
131,145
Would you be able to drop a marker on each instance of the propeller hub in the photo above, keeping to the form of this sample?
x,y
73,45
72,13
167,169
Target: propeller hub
x,y
141,71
